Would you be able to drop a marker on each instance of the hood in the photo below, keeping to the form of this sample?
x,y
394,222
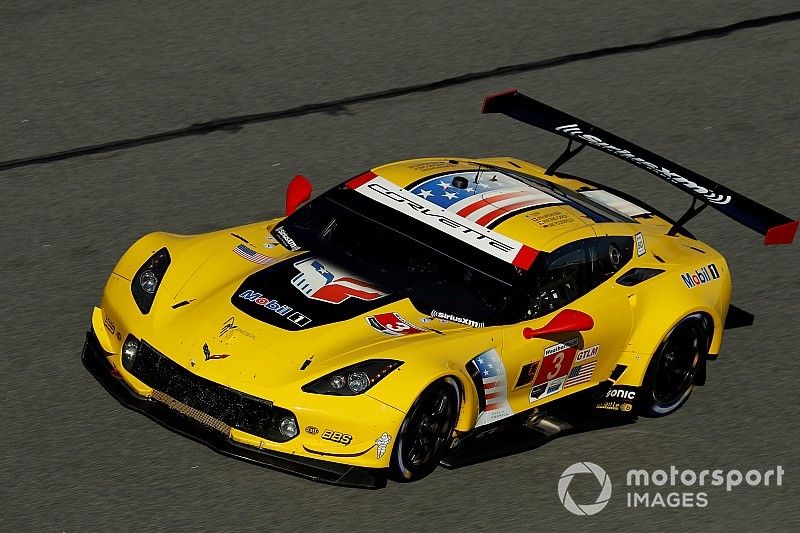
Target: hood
x,y
307,292
299,311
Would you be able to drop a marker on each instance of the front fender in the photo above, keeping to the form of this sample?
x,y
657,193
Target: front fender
x,y
402,397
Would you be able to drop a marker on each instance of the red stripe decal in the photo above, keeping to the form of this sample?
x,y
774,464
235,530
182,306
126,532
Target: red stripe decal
x,y
360,180
500,211
466,211
783,234
525,257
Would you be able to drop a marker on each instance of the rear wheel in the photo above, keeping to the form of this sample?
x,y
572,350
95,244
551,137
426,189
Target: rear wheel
x,y
672,371
427,431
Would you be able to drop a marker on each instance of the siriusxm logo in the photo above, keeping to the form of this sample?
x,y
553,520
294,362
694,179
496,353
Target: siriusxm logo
x,y
699,277
715,198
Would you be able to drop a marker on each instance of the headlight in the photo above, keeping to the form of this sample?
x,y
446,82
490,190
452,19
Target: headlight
x,y
354,379
147,280
129,350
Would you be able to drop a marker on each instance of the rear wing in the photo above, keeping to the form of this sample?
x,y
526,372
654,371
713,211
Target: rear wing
x,y
776,228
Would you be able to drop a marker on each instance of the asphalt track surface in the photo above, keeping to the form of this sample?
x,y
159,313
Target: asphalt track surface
x,y
116,90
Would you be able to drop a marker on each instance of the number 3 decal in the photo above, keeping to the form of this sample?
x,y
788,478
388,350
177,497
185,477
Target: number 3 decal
x,y
555,365
557,362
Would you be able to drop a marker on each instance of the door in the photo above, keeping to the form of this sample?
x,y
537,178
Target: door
x,y
577,277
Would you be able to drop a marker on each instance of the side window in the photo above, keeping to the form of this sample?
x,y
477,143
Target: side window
x,y
610,255
565,276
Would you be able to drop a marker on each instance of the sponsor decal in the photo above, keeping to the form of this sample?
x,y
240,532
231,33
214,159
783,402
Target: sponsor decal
x,y
615,203
109,324
489,375
560,347
416,206
393,324
624,394
573,130
242,250
618,398
457,319
554,386
312,430
336,436
274,305
554,369
270,242
546,389
526,374
615,406
580,374
537,391
640,248
550,218
701,276
285,240
208,355
299,318
381,443
587,353
326,283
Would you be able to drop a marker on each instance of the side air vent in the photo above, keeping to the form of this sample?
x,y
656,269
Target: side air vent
x,y
618,370
635,276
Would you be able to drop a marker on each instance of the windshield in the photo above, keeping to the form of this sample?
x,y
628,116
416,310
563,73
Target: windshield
x,y
440,275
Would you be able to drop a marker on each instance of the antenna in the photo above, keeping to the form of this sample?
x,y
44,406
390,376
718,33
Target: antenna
x,y
477,176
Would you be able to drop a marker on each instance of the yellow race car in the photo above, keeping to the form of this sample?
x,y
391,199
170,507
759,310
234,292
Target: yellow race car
x,y
375,330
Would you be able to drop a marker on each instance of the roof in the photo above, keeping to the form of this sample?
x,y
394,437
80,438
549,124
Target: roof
x,y
511,197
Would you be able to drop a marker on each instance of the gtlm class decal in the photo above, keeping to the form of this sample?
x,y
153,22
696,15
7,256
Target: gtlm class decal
x,y
701,276
574,131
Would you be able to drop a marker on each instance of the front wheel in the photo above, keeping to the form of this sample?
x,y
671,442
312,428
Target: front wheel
x,y
672,371
427,431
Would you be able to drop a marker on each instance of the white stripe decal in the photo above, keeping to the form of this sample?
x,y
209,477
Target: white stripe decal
x,y
615,203
387,193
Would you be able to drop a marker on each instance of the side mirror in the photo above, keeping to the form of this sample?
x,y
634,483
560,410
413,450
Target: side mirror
x,y
566,321
298,192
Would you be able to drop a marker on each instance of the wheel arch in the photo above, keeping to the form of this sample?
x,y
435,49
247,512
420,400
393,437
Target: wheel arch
x,y
638,356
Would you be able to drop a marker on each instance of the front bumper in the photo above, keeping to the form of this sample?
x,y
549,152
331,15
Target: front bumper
x,y
95,360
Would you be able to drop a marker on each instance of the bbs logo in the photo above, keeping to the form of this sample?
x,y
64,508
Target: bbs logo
x,y
335,436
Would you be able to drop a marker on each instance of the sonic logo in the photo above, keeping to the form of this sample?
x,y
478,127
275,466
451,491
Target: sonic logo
x,y
326,283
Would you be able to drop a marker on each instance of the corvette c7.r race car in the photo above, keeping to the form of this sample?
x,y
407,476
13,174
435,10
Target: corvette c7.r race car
x,y
374,330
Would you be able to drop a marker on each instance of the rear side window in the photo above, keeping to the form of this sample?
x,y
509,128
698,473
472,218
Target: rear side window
x,y
573,270
565,276
609,256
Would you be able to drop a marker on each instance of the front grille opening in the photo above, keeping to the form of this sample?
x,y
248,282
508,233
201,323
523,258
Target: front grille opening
x,y
228,406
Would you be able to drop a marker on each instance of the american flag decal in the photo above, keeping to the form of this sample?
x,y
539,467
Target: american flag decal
x,y
251,255
580,374
495,196
489,374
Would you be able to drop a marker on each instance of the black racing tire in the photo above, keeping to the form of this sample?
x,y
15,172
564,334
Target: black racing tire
x,y
426,432
673,369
